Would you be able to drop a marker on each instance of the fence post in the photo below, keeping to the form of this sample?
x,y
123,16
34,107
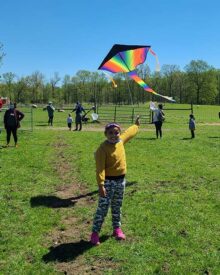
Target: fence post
x,y
191,107
32,125
115,114
132,116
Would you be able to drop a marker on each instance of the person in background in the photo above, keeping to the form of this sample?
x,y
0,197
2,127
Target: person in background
x,y
192,125
158,118
50,111
12,118
1,103
69,122
78,119
110,173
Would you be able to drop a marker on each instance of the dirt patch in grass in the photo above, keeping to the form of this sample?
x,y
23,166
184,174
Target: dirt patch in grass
x,y
70,240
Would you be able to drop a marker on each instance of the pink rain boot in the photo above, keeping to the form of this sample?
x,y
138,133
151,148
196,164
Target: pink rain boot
x,y
118,234
94,239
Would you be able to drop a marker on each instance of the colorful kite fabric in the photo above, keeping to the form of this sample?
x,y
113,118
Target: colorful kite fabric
x,y
125,59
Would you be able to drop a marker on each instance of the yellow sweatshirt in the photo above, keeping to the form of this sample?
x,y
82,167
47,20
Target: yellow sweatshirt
x,y
110,157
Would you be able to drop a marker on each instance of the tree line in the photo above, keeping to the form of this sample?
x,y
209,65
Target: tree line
x,y
198,83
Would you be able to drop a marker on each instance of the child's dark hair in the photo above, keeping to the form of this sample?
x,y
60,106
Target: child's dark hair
x,y
192,116
112,125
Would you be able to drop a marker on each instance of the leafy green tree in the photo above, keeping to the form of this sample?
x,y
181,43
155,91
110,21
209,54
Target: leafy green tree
x,y
8,79
36,83
218,86
169,72
201,82
21,90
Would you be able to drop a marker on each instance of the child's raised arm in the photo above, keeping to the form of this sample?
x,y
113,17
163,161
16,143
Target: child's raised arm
x,y
131,131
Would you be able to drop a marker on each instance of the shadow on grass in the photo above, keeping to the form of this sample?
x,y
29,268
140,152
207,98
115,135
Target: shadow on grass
x,y
152,138
69,251
213,137
56,202
7,146
51,201
188,138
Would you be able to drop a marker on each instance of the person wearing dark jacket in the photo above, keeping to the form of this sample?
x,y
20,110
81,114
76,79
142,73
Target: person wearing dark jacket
x,y
12,120
50,110
158,119
78,120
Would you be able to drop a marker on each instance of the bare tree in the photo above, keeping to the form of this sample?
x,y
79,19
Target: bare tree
x,y
53,81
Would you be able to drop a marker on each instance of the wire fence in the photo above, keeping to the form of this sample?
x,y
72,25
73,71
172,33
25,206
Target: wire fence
x,y
175,114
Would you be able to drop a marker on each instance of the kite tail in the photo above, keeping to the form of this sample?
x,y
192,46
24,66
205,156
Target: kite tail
x,y
133,75
112,80
157,69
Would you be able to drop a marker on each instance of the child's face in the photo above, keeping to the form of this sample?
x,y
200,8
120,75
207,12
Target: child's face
x,y
112,134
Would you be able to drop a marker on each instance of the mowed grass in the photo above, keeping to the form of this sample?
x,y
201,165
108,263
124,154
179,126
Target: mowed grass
x,y
170,211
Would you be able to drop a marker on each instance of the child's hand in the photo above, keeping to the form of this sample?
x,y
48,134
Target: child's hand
x,y
102,191
137,121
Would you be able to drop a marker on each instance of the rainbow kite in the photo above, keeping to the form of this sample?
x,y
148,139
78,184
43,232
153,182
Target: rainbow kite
x,y
125,59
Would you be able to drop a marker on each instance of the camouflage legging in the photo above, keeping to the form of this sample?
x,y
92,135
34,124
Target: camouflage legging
x,y
114,197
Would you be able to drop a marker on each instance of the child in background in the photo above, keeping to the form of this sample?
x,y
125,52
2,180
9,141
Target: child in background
x,y
110,174
69,122
192,125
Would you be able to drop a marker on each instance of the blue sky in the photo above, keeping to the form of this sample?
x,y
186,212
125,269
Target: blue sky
x,y
69,35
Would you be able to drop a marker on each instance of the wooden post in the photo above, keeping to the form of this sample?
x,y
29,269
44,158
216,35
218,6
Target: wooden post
x,y
32,126
115,114
191,107
132,116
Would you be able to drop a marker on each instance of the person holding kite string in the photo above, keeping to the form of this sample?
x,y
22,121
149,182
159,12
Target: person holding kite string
x,y
110,173
158,118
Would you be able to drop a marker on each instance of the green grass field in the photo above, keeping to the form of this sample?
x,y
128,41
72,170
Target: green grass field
x,y
171,213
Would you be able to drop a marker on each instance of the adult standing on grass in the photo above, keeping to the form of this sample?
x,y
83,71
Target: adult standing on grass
x,y
50,111
110,174
158,118
78,119
12,120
